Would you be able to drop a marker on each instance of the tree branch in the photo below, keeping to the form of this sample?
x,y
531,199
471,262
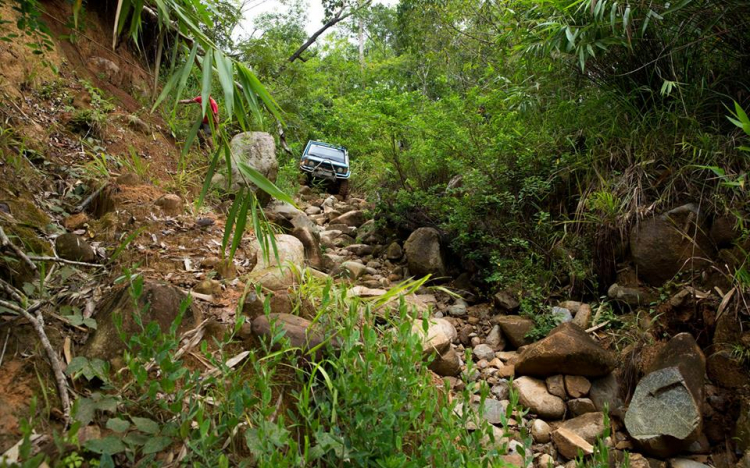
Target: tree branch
x,y
337,18
38,324
5,242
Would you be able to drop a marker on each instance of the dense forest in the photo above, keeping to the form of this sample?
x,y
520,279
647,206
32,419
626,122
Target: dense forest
x,y
533,250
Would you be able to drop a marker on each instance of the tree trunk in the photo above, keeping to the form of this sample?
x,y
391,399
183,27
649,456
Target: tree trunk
x,y
337,18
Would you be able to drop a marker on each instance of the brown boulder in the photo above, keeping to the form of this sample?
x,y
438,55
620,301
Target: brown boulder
x,y
158,303
72,247
447,364
664,245
299,331
568,350
515,328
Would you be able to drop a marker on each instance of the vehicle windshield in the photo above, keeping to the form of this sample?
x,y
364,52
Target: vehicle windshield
x,y
325,152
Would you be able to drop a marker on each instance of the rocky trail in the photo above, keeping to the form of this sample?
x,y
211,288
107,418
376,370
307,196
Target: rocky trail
x,y
95,187
572,384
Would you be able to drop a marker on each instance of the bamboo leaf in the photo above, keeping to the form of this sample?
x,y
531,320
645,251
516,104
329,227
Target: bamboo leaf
x,y
206,84
230,219
185,74
209,176
165,92
190,138
263,183
239,227
225,69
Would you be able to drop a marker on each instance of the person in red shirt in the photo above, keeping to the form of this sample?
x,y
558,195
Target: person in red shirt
x,y
206,126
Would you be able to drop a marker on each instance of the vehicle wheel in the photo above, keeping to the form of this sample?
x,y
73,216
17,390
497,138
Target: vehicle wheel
x,y
305,179
344,188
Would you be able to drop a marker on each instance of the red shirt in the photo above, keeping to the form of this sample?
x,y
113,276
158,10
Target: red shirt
x,y
214,107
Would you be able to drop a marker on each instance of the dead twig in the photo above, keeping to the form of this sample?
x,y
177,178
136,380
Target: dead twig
x,y
2,354
38,323
90,198
597,327
5,242
68,262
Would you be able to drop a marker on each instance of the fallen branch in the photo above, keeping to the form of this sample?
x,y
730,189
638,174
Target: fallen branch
x,y
90,198
62,260
38,324
5,242
597,327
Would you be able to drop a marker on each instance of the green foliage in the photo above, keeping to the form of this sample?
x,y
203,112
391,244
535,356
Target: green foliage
x,y
30,24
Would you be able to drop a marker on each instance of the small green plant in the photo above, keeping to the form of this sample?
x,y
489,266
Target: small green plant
x,y
87,122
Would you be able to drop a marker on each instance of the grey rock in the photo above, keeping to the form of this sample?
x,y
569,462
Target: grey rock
x,y
562,315
483,351
491,410
424,253
495,339
501,390
394,251
629,296
506,301
360,249
258,151
663,409
457,310
605,392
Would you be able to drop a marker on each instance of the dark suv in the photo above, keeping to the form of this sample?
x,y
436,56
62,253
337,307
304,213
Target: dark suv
x,y
326,162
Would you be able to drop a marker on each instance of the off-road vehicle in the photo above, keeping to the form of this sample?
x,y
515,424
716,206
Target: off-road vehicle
x,y
326,162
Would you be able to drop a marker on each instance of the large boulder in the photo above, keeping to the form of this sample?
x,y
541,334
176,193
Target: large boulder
x,y
533,394
290,250
158,303
567,350
665,415
300,332
424,254
258,151
515,328
669,243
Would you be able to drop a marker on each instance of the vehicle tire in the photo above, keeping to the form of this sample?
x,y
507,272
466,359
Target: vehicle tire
x,y
344,188
305,179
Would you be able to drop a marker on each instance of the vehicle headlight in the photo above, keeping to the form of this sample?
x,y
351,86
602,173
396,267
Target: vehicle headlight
x,y
340,170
